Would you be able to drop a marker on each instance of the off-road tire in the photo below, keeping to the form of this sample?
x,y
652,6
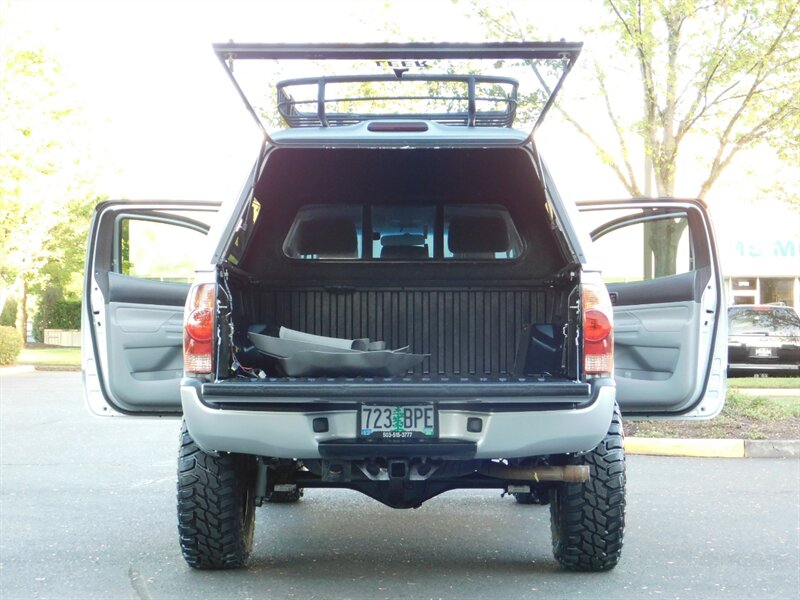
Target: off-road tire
x,y
216,512
587,519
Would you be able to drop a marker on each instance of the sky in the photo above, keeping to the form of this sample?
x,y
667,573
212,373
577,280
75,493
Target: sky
x,y
162,120
162,117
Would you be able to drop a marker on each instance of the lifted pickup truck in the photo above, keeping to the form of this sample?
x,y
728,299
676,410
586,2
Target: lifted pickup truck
x,y
399,302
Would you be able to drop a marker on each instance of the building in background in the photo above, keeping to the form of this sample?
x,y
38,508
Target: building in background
x,y
760,250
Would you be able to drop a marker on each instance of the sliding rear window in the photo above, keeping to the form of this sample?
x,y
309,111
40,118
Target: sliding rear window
x,y
469,232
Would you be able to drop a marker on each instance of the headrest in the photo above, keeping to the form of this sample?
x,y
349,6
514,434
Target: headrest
x,y
413,252
327,237
484,234
403,239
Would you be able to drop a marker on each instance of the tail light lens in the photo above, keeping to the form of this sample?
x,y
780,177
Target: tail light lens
x,y
598,331
198,329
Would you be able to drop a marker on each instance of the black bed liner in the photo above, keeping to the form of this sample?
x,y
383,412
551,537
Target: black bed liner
x,y
464,333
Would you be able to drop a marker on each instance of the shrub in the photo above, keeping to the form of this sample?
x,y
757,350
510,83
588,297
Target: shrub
x,y
65,314
9,314
10,345
56,314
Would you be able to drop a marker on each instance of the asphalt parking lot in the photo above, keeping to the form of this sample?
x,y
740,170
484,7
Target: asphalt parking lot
x,y
87,511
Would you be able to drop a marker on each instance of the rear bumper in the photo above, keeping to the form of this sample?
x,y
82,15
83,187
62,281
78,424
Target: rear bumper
x,y
510,433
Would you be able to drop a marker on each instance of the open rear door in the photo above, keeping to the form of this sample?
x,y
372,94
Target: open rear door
x,y
502,84
660,264
140,261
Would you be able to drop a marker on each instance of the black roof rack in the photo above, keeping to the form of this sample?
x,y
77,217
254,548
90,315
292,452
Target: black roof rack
x,y
292,110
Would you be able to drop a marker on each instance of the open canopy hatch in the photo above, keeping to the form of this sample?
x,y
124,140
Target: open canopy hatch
x,y
467,85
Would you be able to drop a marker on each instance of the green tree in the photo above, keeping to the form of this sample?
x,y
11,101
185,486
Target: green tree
x,y
723,73
45,198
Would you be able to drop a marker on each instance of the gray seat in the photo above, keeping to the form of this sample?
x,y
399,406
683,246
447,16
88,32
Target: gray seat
x,y
477,237
329,237
405,252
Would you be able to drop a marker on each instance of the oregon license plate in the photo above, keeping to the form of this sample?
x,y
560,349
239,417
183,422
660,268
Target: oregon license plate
x,y
397,422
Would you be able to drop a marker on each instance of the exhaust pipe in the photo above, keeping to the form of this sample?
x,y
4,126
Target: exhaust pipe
x,y
567,473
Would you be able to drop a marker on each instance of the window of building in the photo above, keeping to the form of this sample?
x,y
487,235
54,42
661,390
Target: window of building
x,y
777,291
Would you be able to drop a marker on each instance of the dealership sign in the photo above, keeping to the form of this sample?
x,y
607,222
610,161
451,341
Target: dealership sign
x,y
759,242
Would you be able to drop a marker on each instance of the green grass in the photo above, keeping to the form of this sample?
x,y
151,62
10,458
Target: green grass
x,y
764,382
52,356
744,416
760,408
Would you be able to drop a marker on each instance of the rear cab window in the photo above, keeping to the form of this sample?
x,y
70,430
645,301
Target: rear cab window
x,y
403,233
326,232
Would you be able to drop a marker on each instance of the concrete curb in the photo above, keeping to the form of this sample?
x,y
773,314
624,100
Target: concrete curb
x,y
772,448
685,447
713,448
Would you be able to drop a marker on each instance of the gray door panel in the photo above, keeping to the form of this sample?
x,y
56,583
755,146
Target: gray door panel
x,y
656,355
147,364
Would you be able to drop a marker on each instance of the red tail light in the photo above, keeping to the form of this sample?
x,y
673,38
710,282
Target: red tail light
x,y
598,331
198,329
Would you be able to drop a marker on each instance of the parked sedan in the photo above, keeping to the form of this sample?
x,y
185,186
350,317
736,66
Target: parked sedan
x,y
763,339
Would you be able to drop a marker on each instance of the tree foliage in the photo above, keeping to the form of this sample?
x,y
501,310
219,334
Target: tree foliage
x,y
29,116
729,70
45,196
726,72
723,73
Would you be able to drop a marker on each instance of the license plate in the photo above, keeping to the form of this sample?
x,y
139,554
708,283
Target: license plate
x,y
763,352
397,422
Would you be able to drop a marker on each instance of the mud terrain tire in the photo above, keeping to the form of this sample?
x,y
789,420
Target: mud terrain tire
x,y
587,519
216,512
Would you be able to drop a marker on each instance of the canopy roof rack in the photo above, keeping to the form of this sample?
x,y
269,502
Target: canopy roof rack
x,y
500,100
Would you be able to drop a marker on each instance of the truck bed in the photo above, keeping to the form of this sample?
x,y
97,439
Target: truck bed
x,y
475,334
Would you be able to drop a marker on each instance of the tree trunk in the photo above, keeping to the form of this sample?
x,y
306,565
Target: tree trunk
x,y
661,240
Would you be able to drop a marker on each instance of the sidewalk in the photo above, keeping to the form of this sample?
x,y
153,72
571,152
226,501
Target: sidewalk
x,y
16,369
